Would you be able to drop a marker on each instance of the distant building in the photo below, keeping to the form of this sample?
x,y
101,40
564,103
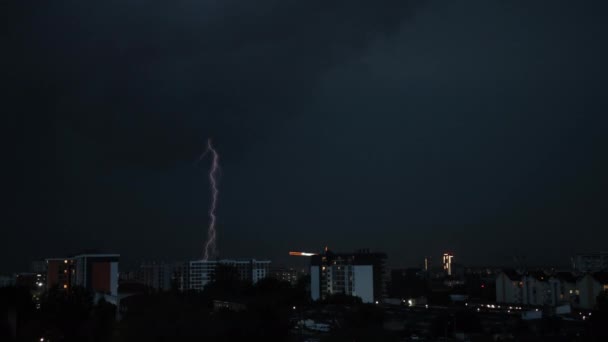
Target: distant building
x,y
6,281
156,275
95,272
159,276
361,274
427,263
589,287
129,277
219,305
509,286
447,263
181,276
541,289
289,275
528,289
38,267
536,289
591,262
202,272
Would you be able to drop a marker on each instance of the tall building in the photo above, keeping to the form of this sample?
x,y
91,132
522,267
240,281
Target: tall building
x,y
202,272
360,274
181,276
591,262
95,272
447,263
509,287
589,287
427,264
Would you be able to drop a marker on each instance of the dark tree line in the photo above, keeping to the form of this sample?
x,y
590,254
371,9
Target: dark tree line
x,y
65,316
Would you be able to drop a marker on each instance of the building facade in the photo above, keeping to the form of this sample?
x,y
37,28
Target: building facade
x,y
202,272
95,272
289,275
536,290
509,287
589,288
540,289
447,263
361,274
591,262
59,273
157,276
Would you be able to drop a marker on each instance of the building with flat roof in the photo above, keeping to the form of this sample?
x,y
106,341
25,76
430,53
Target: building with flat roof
x,y
95,272
360,274
202,272
159,276
289,275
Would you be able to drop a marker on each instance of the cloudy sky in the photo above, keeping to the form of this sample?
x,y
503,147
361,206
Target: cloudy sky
x,y
410,127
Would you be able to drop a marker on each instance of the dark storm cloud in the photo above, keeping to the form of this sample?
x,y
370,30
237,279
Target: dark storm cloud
x,y
144,82
100,93
473,126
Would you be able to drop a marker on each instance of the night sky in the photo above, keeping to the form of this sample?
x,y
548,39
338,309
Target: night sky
x,y
409,127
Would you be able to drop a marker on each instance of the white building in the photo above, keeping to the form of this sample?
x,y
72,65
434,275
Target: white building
x,y
96,272
563,289
589,287
509,286
447,263
360,274
202,272
536,289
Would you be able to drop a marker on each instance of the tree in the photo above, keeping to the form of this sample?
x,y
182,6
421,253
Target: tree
x,y
16,309
599,320
65,314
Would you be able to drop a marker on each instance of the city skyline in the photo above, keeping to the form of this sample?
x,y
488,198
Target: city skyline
x,y
412,128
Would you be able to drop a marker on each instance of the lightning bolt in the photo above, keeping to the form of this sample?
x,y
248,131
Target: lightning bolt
x,y
210,246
